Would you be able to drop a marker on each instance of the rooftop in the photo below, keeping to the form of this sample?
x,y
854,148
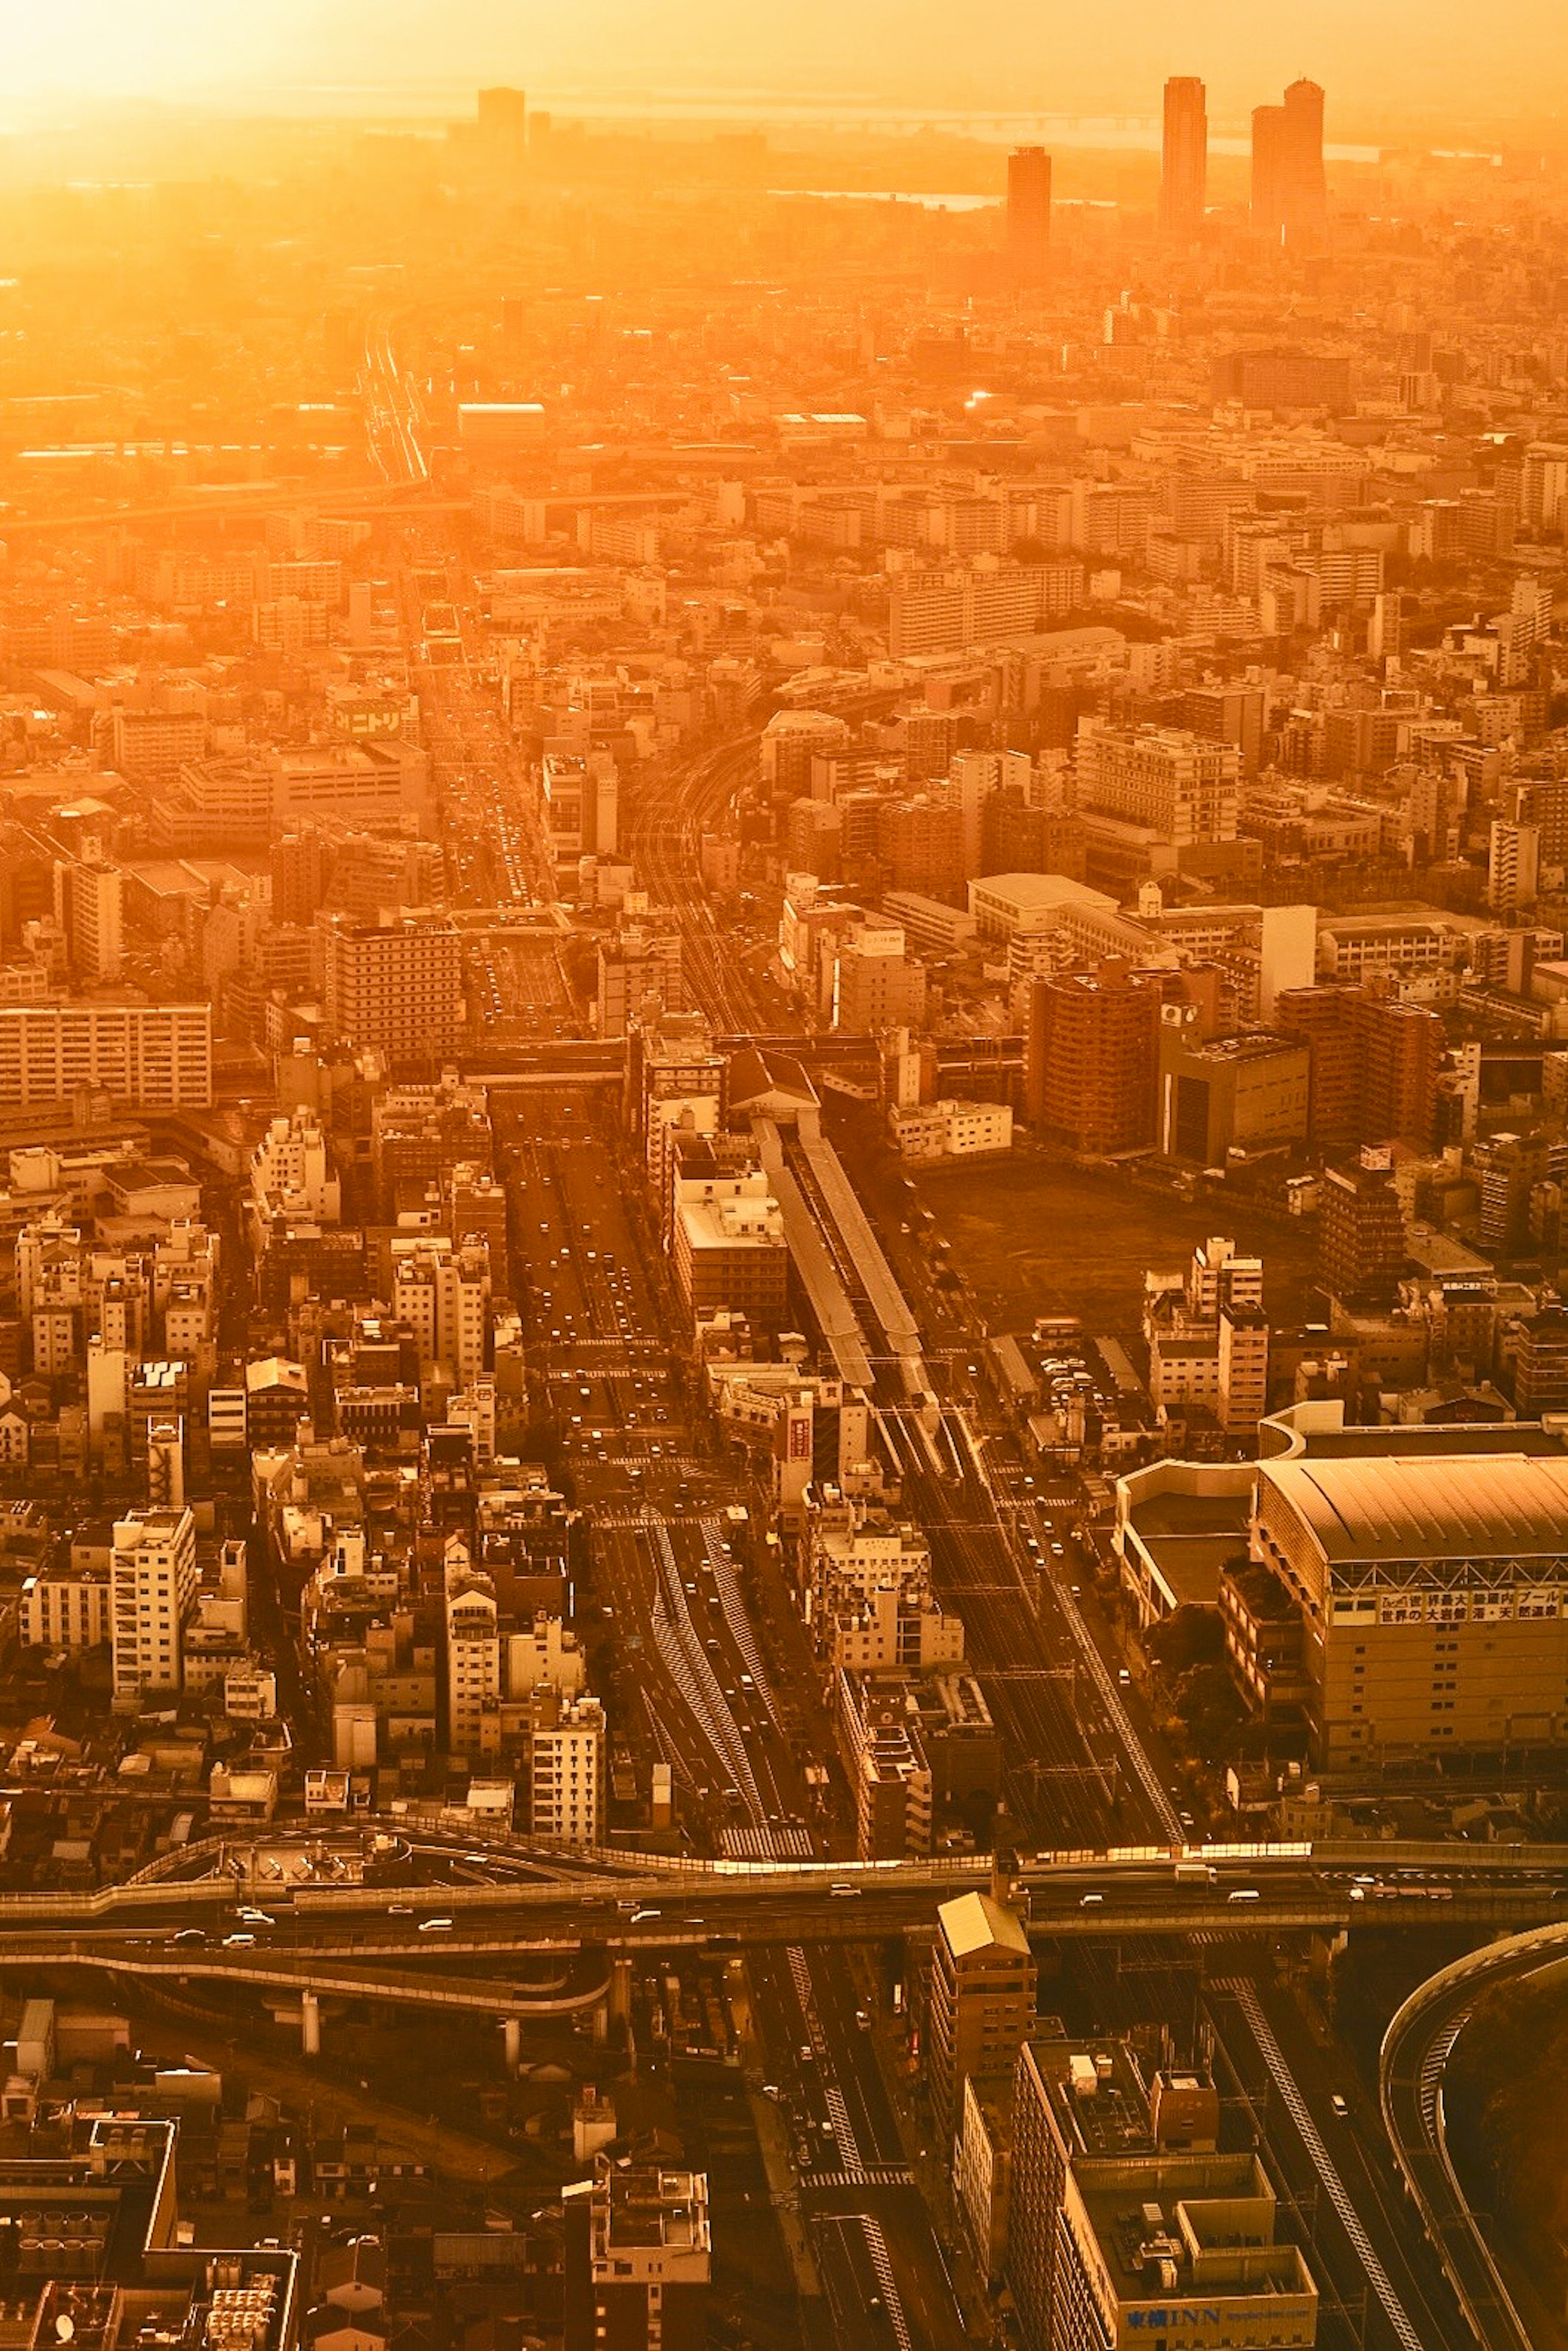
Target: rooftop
x,y
1452,1505
975,1923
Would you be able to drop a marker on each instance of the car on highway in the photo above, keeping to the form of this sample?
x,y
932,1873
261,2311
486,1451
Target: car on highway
x,y
1338,2106
188,1935
233,1942
436,1925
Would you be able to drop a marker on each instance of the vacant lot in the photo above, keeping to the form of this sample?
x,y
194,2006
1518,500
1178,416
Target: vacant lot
x,y
1032,1237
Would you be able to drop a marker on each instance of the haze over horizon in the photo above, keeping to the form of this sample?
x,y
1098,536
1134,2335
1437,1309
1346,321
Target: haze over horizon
x,y
1399,60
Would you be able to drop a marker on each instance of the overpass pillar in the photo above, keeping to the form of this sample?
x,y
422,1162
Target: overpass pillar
x,y
620,1991
512,2031
310,2023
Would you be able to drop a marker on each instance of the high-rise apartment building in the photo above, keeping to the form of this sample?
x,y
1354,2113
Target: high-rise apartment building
x,y
146,1056
1029,213
443,1295
1184,156
396,984
1361,1232
152,1591
566,1769
1514,865
1090,1062
87,905
1540,1364
1375,1065
472,1652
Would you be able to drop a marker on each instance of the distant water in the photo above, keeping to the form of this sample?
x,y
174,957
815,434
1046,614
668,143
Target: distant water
x,y
947,201
761,108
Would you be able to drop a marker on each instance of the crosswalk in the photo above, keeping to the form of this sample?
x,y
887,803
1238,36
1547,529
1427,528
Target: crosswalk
x,y
862,2175
738,1844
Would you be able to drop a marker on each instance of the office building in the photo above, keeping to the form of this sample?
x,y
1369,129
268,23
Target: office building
x,y
398,985
638,2259
1184,157
727,1243
1126,2225
1246,1093
1228,713
152,1591
876,984
1090,1059
581,804
1361,1232
638,978
143,1056
981,2000
1432,1588
1028,215
675,1085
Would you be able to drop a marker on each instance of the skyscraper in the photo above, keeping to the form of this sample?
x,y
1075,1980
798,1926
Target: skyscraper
x,y
503,116
1029,213
1268,173
1289,193
1184,168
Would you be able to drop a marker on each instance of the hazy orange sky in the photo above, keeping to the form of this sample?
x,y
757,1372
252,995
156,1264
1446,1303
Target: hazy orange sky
x,y
1398,56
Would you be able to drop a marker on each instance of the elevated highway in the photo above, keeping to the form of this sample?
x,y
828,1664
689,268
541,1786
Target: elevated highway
x,y
1417,2047
635,1903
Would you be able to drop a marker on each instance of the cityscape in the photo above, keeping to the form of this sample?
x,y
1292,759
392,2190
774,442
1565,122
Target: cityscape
x,y
783,1149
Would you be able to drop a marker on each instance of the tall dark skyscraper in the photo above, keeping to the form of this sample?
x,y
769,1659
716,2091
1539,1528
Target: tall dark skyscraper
x,y
1289,194
1029,213
1269,172
1307,197
1184,168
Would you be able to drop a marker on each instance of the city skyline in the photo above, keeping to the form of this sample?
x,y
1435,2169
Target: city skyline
x,y
1398,61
